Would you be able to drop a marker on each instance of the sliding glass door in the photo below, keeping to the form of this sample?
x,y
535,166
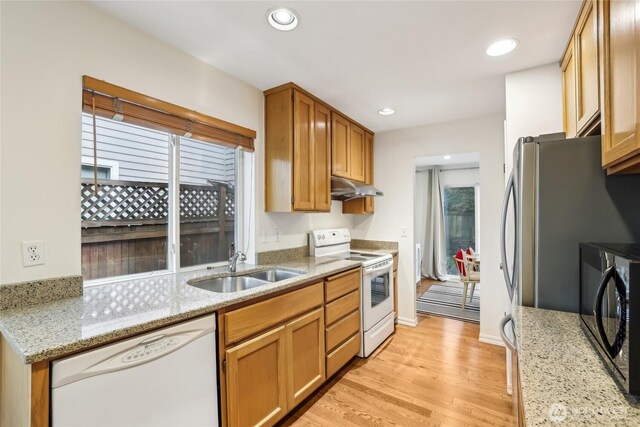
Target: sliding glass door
x,y
461,219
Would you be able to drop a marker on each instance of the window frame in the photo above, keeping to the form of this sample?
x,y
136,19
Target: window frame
x,y
173,219
112,165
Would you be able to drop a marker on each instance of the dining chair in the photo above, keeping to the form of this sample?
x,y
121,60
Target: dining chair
x,y
468,275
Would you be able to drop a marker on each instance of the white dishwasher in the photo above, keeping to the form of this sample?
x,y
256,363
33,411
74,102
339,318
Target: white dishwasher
x,y
163,378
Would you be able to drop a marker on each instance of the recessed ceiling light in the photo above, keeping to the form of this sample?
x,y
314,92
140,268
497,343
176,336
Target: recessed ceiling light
x,y
282,18
386,111
502,47
447,157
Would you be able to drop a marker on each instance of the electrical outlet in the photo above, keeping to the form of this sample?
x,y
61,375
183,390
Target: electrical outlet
x,y
403,231
32,253
277,234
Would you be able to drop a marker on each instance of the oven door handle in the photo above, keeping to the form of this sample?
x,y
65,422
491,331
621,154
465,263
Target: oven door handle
x,y
621,333
374,271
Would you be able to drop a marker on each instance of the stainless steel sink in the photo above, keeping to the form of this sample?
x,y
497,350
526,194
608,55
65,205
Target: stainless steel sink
x,y
274,275
229,284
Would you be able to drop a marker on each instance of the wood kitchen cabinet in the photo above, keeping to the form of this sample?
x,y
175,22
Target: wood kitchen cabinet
x,y
272,373
363,205
272,355
305,356
342,314
297,152
348,146
306,142
340,151
257,380
581,74
621,92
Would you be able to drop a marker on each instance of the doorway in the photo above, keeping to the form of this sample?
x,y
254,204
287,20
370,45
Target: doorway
x,y
447,218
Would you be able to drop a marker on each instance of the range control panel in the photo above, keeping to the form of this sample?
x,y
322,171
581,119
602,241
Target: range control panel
x,y
320,238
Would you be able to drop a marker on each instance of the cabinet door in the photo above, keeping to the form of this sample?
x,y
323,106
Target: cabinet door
x,y
322,156
340,146
586,57
303,152
569,92
368,139
257,380
305,356
357,154
622,86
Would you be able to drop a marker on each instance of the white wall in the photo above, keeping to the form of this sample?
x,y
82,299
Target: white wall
x,y
459,177
533,105
394,156
46,49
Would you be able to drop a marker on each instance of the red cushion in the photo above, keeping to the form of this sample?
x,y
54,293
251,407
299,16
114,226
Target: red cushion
x,y
460,264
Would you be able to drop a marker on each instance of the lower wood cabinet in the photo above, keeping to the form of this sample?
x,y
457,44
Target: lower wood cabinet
x,y
305,356
269,375
257,380
342,313
278,361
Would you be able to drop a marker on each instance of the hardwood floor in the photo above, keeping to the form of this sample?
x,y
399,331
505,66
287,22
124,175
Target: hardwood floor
x,y
436,374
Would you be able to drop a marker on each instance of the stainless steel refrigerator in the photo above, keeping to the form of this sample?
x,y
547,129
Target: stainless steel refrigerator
x,y
558,196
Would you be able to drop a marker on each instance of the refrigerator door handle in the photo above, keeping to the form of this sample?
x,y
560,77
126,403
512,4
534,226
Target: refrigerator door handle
x,y
503,334
508,278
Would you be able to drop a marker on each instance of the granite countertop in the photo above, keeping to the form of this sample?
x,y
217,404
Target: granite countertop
x,y
116,310
563,379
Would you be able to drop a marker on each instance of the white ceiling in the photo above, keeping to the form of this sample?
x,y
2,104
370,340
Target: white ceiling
x,y
465,159
424,58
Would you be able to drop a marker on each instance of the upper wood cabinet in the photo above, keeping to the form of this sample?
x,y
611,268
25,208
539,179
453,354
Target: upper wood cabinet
x,y
581,75
306,142
297,153
621,65
322,183
340,148
357,154
363,205
348,157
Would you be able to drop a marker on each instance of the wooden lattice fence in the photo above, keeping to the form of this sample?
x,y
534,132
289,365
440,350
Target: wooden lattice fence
x,y
124,226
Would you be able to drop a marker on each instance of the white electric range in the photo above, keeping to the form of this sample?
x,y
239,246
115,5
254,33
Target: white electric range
x,y
376,303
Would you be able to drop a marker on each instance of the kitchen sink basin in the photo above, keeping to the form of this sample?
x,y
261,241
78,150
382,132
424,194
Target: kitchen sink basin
x,y
229,284
274,275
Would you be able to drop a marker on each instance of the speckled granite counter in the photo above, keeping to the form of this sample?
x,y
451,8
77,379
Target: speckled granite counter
x,y
109,312
564,381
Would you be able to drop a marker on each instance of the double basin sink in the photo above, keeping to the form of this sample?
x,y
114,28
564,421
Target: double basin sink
x,y
248,281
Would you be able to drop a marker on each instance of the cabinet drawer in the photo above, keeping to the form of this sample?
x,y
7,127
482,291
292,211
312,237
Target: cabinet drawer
x,y
341,284
247,321
341,355
341,307
342,329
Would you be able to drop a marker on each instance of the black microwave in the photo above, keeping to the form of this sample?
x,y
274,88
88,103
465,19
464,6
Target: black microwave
x,y
609,303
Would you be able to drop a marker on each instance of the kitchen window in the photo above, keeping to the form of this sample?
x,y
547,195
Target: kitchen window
x,y
172,203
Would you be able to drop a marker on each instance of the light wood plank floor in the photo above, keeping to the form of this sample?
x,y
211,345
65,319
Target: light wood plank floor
x,y
436,374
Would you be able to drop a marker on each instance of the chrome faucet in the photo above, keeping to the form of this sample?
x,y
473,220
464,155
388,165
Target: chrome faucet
x,y
233,257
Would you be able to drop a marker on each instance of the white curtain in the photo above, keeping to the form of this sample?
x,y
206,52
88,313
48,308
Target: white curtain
x,y
429,223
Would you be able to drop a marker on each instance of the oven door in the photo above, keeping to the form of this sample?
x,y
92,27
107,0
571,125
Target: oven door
x,y
377,294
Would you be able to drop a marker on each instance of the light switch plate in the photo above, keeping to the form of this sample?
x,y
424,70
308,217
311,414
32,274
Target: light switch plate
x,y
403,231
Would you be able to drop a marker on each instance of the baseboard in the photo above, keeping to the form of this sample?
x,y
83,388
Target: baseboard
x,y
408,322
491,339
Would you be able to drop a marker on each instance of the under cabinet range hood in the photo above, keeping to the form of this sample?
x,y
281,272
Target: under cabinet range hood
x,y
345,189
